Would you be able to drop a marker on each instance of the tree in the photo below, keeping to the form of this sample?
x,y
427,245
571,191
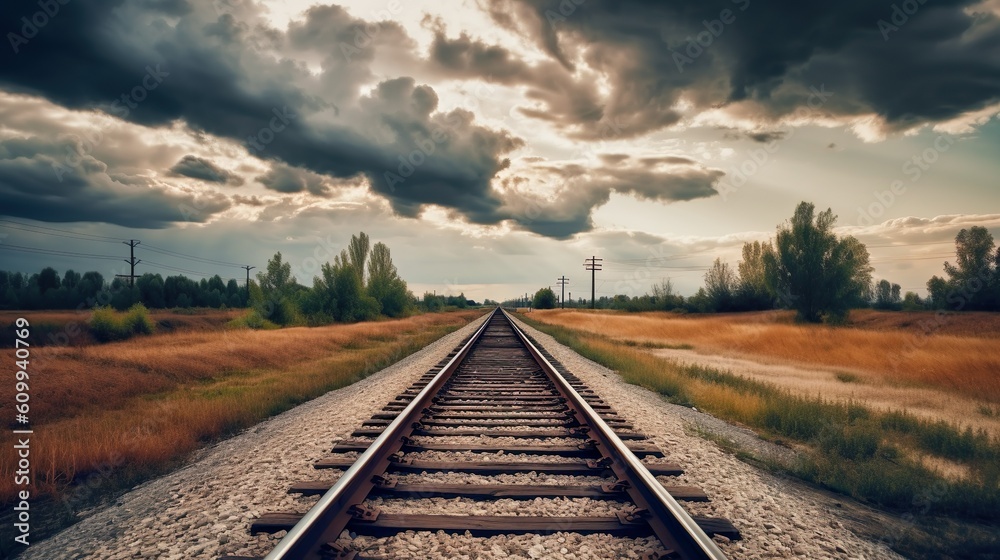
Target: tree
x,y
151,290
887,295
277,286
544,299
357,251
752,291
48,279
664,297
912,302
720,285
974,281
823,276
277,278
71,279
384,283
90,285
937,288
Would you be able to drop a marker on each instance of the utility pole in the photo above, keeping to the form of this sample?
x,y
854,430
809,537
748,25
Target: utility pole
x,y
248,268
131,260
562,299
593,264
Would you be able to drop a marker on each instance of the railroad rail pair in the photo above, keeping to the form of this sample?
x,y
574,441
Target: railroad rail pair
x,y
497,383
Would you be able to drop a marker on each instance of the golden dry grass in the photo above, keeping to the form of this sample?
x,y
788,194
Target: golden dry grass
x,y
959,356
135,406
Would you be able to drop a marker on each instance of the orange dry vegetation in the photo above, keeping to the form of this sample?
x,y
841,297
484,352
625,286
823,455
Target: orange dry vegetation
x,y
52,327
955,352
131,407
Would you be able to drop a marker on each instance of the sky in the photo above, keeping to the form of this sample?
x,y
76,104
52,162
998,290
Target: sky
x,y
493,145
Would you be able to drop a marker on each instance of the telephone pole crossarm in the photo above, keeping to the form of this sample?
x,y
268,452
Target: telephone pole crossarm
x,y
131,260
593,264
562,298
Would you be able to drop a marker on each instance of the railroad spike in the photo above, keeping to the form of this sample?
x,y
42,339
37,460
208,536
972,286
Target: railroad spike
x,y
382,481
364,513
334,551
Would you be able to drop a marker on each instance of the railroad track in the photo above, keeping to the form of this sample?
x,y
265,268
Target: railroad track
x,y
497,386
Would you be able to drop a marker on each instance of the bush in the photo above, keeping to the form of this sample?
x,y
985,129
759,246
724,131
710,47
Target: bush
x,y
251,320
137,320
107,325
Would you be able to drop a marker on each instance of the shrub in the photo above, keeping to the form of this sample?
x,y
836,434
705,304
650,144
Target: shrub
x,y
137,320
104,324
252,319
107,325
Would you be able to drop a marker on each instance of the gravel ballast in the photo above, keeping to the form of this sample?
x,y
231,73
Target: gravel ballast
x,y
204,509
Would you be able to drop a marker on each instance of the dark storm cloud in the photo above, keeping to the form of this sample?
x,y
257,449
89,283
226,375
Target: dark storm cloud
x,y
663,179
36,183
155,63
927,66
766,136
285,179
200,168
437,158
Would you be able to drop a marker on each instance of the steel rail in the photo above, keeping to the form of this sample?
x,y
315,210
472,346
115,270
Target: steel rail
x,y
668,519
324,522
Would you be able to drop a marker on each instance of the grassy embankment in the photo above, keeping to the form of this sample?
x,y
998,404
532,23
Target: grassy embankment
x,y
126,410
847,447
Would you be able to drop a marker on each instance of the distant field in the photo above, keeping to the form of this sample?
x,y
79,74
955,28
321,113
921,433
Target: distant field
x,y
956,353
136,406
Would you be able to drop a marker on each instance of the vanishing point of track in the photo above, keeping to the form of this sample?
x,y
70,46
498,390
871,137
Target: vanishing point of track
x,y
497,383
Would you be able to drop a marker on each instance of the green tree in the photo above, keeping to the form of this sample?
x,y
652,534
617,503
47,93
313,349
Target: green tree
x,y
48,279
912,302
752,291
937,287
357,251
823,276
384,283
887,295
720,285
974,280
71,279
544,299
664,297
277,278
277,288
151,290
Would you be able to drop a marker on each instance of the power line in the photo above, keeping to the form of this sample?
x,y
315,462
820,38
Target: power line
x,y
44,230
67,236
56,252
170,253
91,236
183,270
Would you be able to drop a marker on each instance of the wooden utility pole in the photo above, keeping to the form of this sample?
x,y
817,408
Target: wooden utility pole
x,y
562,299
593,264
131,260
248,268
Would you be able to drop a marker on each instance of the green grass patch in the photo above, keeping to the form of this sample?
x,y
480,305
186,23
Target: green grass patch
x,y
252,319
846,377
654,345
107,325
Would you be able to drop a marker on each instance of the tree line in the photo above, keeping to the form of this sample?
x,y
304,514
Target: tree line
x,y
808,268
361,283
48,289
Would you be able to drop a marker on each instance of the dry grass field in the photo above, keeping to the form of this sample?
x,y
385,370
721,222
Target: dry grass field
x,y
747,369
956,353
134,406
